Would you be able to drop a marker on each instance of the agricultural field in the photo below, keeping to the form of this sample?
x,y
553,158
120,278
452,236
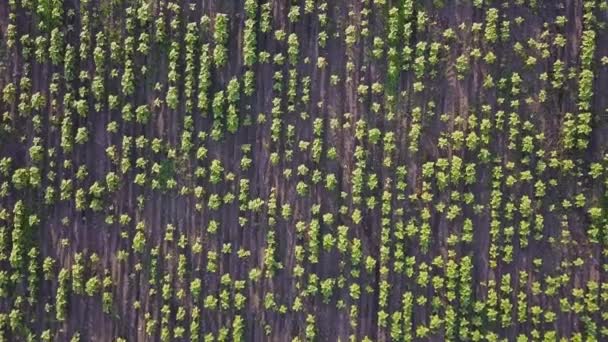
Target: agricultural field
x,y
303,170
